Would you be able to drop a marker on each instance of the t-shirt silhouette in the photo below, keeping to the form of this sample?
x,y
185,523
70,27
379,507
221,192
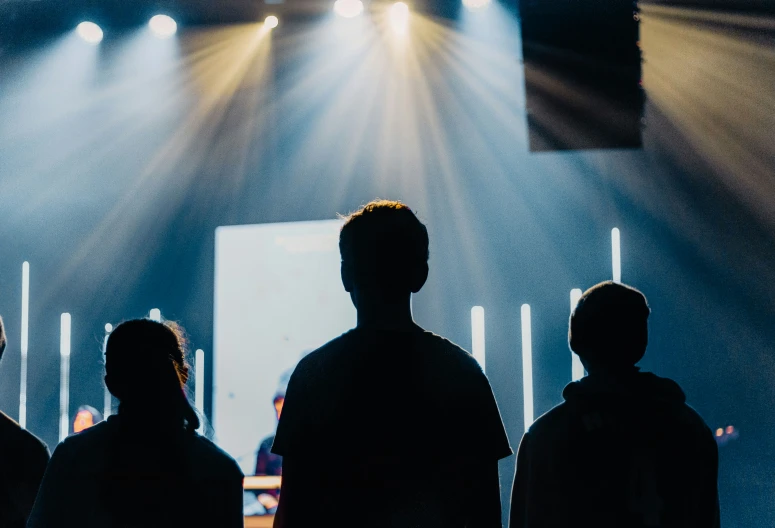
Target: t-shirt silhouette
x,y
620,452
23,459
389,427
107,476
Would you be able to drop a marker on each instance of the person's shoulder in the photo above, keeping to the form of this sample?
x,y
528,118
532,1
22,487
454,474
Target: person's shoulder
x,y
549,422
87,439
446,350
212,458
327,352
14,434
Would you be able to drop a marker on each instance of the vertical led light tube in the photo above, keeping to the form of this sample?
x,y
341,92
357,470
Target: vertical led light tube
x,y
155,315
199,383
477,334
24,343
577,369
527,365
64,378
107,402
616,254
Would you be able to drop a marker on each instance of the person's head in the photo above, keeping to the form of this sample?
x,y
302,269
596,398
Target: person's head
x,y
278,402
384,249
609,327
2,338
146,369
86,416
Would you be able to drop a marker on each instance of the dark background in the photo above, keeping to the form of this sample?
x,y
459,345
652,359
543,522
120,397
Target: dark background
x,y
118,162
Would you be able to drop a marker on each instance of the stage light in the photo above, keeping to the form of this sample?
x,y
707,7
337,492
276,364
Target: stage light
x,y
199,383
271,22
616,254
155,315
527,366
348,8
24,343
90,32
163,26
107,398
473,5
64,375
399,17
577,369
477,334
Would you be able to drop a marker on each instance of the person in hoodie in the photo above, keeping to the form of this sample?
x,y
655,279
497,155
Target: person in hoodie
x,y
624,450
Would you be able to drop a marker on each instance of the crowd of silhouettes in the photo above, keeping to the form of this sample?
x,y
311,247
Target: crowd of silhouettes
x,y
410,417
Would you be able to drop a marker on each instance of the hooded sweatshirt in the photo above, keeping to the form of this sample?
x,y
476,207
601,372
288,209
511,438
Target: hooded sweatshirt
x,y
623,451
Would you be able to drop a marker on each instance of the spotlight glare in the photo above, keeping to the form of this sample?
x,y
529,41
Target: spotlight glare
x,y
90,32
163,26
108,328
473,5
399,17
348,8
271,22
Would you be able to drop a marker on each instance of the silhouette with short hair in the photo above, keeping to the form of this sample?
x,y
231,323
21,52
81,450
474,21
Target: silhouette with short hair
x,y
388,425
23,459
624,450
145,466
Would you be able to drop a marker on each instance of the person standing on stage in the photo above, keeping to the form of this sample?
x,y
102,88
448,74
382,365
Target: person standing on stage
x,y
23,460
389,425
624,449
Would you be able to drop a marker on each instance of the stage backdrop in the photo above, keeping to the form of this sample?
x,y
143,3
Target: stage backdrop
x,y
278,296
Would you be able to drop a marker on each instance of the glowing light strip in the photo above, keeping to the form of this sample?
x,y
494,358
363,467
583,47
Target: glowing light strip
x,y
155,315
64,378
199,383
24,343
107,405
577,369
616,254
477,334
527,365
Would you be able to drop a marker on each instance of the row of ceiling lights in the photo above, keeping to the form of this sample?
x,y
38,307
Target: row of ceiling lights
x,y
164,26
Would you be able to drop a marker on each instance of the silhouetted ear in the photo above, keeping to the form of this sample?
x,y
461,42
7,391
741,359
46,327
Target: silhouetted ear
x,y
419,277
347,277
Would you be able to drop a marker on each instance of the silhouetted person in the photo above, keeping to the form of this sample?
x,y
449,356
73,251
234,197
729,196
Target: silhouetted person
x,y
268,463
145,466
624,450
23,459
388,425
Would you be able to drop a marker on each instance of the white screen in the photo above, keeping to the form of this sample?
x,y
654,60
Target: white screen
x,y
278,296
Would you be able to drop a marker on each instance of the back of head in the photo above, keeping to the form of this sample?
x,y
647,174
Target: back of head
x,y
146,474
608,327
146,369
384,249
2,338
